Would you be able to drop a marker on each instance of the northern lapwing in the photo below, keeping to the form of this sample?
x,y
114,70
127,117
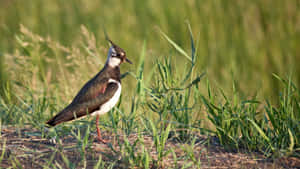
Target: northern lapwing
x,y
99,95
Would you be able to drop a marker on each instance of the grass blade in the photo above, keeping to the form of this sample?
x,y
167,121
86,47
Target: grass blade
x,y
178,48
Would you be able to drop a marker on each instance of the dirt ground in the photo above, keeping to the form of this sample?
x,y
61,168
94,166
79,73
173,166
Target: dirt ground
x,y
31,151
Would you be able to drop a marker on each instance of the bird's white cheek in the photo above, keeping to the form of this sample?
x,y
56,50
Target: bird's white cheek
x,y
114,62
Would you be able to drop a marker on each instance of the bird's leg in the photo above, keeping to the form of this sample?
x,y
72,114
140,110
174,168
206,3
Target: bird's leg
x,y
98,131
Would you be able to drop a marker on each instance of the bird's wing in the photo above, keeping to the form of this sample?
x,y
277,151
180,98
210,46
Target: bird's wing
x,y
91,90
84,105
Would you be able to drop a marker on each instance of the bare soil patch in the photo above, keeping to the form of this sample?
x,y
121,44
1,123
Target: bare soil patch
x,y
31,151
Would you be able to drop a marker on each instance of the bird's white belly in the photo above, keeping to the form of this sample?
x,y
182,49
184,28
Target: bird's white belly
x,y
110,104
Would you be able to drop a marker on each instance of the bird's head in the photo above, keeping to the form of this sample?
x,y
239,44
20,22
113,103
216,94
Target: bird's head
x,y
116,55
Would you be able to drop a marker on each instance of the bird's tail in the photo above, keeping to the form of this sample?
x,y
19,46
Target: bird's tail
x,y
59,118
53,121
63,116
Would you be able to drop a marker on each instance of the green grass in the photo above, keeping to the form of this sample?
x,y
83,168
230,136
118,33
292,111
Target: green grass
x,y
168,102
245,41
237,79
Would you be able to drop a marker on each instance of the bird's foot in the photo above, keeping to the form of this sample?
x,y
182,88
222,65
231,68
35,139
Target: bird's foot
x,y
102,140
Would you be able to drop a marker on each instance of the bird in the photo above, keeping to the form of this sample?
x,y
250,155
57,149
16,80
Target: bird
x,y
99,95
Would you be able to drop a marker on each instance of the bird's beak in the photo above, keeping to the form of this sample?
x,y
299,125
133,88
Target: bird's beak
x,y
127,60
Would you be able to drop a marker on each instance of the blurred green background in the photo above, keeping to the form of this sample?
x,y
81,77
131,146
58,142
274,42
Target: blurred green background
x,y
240,41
